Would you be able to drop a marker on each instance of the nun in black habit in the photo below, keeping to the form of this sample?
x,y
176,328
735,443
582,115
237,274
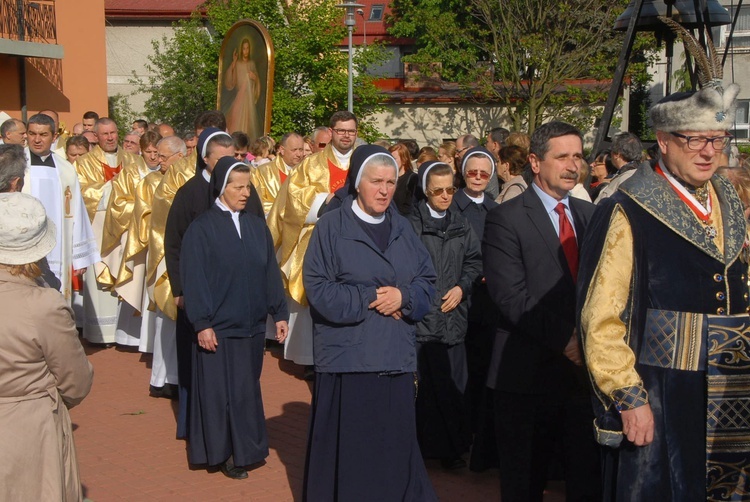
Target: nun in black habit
x,y
190,201
368,279
231,285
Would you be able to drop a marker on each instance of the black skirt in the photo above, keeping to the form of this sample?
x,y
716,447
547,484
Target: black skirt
x,y
442,414
362,443
226,408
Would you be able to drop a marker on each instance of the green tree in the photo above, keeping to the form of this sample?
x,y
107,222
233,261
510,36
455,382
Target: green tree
x,y
310,79
520,53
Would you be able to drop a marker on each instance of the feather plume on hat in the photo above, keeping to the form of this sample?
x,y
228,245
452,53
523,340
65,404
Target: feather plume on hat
x,y
710,109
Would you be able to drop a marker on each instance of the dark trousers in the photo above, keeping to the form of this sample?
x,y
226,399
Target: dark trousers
x,y
527,428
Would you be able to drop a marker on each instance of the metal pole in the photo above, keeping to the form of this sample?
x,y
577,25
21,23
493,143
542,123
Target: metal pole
x,y
351,73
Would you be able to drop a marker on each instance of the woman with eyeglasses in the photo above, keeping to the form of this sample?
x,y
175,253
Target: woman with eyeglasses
x,y
442,413
478,166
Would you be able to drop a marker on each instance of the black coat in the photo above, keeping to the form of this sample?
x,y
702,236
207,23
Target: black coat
x,y
530,283
481,309
457,257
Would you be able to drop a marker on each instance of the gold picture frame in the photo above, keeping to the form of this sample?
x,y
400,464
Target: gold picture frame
x,y
246,67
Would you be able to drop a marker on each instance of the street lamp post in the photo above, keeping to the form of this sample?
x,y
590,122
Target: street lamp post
x,y
349,22
361,12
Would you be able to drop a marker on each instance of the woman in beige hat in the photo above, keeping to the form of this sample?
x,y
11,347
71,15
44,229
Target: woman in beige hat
x,y
43,369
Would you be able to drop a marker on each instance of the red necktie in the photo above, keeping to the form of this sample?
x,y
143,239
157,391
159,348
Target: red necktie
x,y
568,241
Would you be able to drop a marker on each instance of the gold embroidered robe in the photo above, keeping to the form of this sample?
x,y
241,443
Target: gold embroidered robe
x,y
294,214
267,181
117,218
157,280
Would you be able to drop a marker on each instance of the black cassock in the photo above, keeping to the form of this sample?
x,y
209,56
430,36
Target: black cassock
x,y
190,201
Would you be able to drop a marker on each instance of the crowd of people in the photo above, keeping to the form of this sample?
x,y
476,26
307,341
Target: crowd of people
x,y
482,302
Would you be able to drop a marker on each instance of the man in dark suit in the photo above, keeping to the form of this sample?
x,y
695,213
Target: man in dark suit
x,y
530,252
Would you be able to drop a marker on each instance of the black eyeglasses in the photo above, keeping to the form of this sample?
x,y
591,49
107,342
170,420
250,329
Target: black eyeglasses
x,y
345,132
439,191
698,143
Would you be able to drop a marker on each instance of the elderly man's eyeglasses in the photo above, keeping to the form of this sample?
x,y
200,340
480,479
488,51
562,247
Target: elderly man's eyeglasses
x,y
698,143
345,132
474,173
166,157
439,191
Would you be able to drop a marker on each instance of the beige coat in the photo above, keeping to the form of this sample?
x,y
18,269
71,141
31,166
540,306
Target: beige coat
x,y
43,372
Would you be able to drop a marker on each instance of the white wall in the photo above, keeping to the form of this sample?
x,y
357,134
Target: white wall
x,y
128,48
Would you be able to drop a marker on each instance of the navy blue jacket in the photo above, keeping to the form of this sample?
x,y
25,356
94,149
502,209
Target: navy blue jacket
x,y
231,284
343,268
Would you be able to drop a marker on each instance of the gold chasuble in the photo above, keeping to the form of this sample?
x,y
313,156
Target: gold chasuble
x,y
157,281
93,174
131,277
295,212
117,219
268,178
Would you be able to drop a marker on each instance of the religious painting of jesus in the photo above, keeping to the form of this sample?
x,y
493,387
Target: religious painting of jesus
x,y
246,78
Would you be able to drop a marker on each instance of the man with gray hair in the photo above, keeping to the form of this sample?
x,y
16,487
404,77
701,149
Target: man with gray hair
x,y
269,177
626,154
157,332
96,172
321,136
663,294
13,132
12,168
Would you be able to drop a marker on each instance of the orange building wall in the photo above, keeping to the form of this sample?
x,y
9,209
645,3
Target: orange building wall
x,y
80,30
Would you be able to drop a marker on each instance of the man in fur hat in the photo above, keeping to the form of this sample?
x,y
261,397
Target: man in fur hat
x,y
663,322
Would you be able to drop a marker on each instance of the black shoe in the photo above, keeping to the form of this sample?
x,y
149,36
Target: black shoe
x,y
155,391
231,471
453,463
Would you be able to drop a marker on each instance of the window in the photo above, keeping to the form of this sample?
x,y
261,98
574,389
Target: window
x,y
376,12
742,120
741,36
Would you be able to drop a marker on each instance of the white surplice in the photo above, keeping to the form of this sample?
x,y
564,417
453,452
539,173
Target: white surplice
x,y
60,193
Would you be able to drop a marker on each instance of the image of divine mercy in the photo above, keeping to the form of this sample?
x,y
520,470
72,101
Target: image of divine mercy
x,y
242,77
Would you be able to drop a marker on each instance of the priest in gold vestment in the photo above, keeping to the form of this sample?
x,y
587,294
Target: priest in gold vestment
x,y
96,170
269,177
292,219
157,332
115,233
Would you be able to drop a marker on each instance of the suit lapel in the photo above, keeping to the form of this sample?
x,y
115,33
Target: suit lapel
x,y
540,219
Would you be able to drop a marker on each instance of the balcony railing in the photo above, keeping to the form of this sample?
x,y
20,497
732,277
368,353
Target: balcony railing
x,y
33,21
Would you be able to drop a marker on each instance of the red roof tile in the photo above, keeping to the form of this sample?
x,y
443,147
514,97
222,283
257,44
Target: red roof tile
x,y
150,9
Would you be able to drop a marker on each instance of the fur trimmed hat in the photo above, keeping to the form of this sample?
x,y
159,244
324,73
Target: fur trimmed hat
x,y
710,109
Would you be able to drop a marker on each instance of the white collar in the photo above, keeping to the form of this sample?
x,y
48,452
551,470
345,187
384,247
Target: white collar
x,y
223,207
436,214
206,176
360,213
343,158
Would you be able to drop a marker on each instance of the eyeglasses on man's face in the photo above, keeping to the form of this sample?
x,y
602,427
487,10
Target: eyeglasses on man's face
x,y
698,143
345,132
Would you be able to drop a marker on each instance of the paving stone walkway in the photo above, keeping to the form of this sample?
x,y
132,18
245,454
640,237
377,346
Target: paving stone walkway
x,y
127,448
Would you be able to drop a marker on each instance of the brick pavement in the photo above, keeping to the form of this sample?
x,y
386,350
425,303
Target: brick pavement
x,y
127,448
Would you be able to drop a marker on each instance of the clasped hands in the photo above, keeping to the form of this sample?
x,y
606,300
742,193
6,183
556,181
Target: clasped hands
x,y
388,302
